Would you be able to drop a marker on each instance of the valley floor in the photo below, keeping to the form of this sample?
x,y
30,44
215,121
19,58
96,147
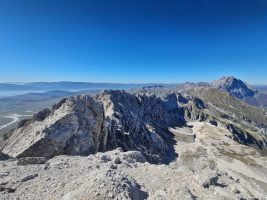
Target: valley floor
x,y
9,120
213,166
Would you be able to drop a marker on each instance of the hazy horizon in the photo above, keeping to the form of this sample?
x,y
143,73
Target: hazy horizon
x,y
134,83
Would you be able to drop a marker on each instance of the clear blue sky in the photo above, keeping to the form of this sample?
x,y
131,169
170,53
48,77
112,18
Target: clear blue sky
x,y
133,40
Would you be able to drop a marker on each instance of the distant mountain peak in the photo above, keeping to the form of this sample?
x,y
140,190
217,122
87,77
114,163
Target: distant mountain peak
x,y
234,86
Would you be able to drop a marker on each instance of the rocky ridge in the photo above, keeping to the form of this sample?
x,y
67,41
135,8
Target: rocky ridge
x,y
85,125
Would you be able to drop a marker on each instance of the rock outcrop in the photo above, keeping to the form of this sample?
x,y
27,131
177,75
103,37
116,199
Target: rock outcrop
x,y
73,127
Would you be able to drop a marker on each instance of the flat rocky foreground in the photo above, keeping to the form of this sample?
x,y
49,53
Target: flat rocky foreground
x,y
212,166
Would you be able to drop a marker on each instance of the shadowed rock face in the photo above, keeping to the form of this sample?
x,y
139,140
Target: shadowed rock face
x,y
234,86
3,156
242,137
138,122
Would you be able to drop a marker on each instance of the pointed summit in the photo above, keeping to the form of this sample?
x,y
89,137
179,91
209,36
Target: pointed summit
x,y
234,86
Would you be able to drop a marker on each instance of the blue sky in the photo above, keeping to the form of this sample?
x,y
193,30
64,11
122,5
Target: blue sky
x,y
133,40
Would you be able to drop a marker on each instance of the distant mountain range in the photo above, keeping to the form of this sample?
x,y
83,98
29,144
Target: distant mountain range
x,y
67,86
227,83
254,95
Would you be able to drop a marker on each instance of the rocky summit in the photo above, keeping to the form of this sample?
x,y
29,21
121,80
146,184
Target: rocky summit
x,y
234,86
198,143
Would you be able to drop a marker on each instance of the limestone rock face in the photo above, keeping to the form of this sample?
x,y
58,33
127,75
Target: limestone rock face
x,y
139,122
72,127
84,125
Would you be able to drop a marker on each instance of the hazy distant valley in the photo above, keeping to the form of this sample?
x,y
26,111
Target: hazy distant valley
x,y
21,100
